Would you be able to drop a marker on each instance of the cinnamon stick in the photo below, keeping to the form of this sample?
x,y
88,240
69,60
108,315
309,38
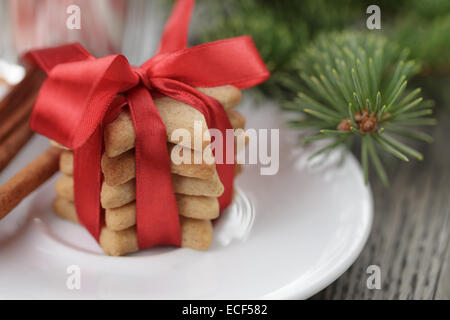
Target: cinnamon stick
x,y
13,143
21,113
30,83
28,179
15,110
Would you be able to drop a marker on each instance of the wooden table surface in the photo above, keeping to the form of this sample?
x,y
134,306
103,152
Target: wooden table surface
x,y
410,234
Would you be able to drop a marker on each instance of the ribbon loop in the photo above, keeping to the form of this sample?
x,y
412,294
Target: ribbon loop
x,y
75,96
233,61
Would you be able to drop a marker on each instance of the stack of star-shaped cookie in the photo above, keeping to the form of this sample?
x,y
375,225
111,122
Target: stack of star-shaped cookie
x,y
196,185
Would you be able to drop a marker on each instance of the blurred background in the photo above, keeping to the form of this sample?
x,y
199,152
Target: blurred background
x,y
281,29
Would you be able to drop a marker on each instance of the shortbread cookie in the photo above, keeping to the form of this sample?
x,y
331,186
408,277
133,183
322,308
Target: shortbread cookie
x,y
212,187
119,135
66,162
122,217
64,187
228,96
117,196
237,119
57,144
196,207
203,170
65,209
196,234
119,243
122,168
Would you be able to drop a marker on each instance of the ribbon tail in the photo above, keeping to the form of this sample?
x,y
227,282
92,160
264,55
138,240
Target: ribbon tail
x,y
226,171
216,118
88,182
175,35
226,175
157,217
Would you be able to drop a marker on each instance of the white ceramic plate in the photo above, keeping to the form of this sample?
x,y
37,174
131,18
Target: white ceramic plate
x,y
286,236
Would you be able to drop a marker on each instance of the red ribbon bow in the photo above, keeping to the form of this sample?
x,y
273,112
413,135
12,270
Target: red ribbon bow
x,y
80,94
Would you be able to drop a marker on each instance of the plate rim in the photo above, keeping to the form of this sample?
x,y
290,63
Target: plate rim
x,y
296,290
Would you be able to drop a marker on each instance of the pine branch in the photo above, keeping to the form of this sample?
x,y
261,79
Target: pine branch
x,y
357,87
280,30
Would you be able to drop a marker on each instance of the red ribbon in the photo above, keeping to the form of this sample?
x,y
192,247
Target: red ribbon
x,y
80,95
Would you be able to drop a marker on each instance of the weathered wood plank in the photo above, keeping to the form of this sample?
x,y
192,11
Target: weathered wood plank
x,y
443,289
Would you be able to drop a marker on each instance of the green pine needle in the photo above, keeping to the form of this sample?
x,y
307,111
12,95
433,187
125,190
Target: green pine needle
x,y
364,159
376,162
356,86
